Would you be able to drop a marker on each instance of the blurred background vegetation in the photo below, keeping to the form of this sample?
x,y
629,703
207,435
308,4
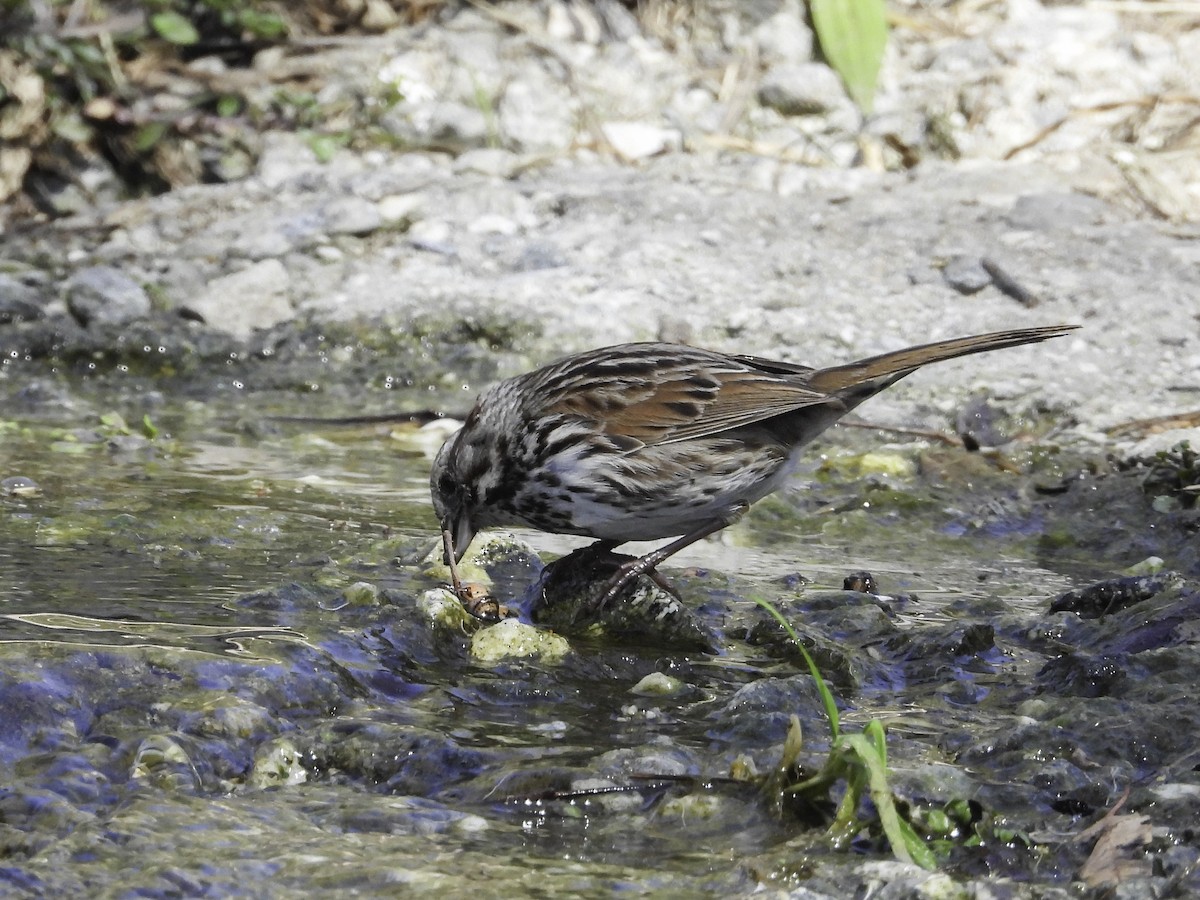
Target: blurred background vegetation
x,y
103,98
166,92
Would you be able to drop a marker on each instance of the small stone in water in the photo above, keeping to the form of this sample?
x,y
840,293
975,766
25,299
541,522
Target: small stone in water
x,y
657,684
20,486
514,640
863,582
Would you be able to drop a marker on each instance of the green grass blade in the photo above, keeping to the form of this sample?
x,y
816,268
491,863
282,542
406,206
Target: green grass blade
x,y
853,35
907,845
827,700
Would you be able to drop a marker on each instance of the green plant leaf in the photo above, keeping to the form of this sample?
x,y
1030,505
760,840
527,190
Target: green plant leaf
x,y
173,27
324,146
71,126
228,105
262,24
148,135
114,422
845,824
907,845
853,35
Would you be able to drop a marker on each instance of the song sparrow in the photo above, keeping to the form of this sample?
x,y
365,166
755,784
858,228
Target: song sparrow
x,y
646,441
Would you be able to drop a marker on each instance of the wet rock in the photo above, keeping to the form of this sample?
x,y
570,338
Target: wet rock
x,y
102,295
760,713
253,299
833,627
361,593
34,817
862,582
129,446
980,423
290,597
451,617
19,302
161,760
402,758
1107,597
1161,621
947,656
276,764
77,777
231,718
40,395
873,462
497,558
659,684
567,596
19,486
511,639
1082,675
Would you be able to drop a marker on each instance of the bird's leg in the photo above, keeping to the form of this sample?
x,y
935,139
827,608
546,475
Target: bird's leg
x,y
651,560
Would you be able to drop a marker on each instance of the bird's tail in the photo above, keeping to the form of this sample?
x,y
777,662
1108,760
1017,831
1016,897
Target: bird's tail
x,y
901,362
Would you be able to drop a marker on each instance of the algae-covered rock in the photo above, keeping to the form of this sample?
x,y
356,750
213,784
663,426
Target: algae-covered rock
x,y
511,639
277,764
445,612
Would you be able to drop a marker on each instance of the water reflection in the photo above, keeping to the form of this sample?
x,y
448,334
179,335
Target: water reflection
x,y
86,632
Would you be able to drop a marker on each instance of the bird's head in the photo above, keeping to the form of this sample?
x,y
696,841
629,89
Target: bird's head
x,y
454,498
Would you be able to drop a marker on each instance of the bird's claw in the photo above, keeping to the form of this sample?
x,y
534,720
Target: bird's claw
x,y
621,580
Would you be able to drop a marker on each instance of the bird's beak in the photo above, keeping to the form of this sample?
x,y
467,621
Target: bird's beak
x,y
462,532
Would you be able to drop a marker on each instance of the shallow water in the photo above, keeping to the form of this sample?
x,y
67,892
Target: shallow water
x,y
196,702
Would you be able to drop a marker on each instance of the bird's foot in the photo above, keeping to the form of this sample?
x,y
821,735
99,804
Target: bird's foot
x,y
624,576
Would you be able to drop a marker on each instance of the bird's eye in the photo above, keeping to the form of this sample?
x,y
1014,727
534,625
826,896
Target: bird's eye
x,y
446,485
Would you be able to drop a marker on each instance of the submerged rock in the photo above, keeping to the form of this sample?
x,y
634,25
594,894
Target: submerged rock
x,y
1107,597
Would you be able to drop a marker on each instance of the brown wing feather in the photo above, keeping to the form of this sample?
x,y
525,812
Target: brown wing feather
x,y
742,398
662,393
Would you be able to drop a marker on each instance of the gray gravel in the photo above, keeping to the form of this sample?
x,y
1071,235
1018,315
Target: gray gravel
x,y
106,296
